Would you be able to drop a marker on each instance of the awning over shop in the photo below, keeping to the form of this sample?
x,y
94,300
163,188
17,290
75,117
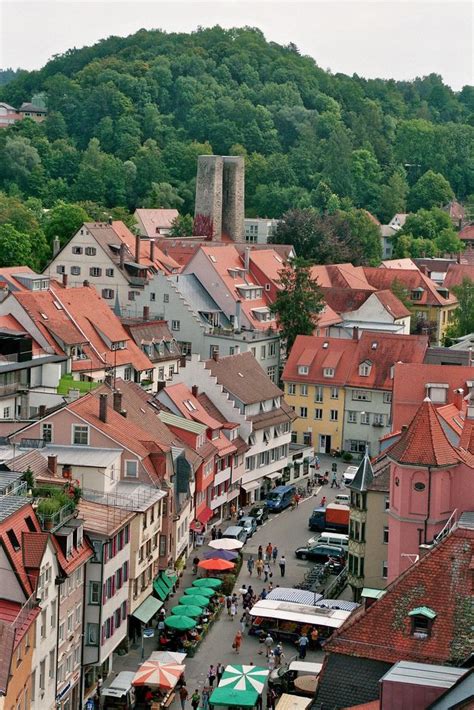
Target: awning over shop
x,y
274,475
160,589
147,609
369,593
169,578
251,486
205,516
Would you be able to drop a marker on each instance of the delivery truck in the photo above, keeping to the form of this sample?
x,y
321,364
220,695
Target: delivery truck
x,y
333,517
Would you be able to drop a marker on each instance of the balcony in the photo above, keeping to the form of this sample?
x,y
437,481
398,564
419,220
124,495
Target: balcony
x,y
218,501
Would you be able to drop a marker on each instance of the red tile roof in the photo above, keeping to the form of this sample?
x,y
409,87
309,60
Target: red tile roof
x,y
467,233
383,350
424,442
312,349
33,545
103,519
440,580
344,300
242,376
77,557
456,273
411,279
409,387
7,274
341,276
155,219
17,522
81,316
269,262
392,304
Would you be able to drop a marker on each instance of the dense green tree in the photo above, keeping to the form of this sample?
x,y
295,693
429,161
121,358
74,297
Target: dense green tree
x,y
182,226
393,197
63,221
464,314
15,247
19,160
431,190
365,179
163,195
298,302
364,238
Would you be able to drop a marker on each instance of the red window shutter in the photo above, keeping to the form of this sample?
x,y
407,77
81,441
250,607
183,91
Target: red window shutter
x,y
106,551
114,546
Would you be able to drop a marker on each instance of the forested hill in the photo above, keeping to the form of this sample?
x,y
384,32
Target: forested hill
x,y
128,116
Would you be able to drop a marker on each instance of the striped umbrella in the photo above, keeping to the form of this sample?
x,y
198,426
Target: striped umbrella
x,y
244,678
202,591
209,582
158,675
194,599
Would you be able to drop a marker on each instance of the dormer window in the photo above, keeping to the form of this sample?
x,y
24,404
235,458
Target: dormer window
x,y
365,368
437,392
303,370
328,372
416,294
422,619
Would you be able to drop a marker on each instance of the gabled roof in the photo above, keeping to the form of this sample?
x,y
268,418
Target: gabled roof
x,y
392,304
318,349
424,442
341,276
73,316
33,546
364,475
411,280
7,274
399,264
441,580
457,273
13,513
181,395
242,376
269,262
383,350
155,219
467,233
102,519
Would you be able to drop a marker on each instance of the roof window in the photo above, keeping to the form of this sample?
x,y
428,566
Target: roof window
x,y
422,619
189,405
303,369
365,368
13,539
328,372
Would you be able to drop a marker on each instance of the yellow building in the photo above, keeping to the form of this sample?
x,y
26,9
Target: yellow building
x,y
314,378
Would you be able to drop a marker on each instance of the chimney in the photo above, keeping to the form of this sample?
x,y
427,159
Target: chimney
x,y
42,411
458,398
117,399
355,333
103,408
146,312
182,361
215,355
108,380
24,404
56,246
247,258
137,248
85,283
53,464
122,255
110,220
238,309
152,250
65,280
194,390
123,412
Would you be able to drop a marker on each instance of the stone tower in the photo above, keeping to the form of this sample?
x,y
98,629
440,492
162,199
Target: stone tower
x,y
220,189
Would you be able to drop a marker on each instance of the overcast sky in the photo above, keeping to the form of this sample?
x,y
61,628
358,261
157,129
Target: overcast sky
x,y
400,38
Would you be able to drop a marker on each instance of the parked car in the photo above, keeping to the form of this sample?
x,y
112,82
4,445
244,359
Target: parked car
x,y
329,538
321,553
259,512
248,524
349,475
342,499
236,532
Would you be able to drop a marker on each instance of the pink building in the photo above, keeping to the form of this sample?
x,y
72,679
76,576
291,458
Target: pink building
x,y
431,481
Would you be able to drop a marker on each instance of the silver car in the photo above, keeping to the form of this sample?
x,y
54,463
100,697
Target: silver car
x,y
249,525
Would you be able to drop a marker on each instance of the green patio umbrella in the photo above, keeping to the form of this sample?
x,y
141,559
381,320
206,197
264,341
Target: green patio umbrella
x,y
209,582
203,591
187,610
244,678
194,600
182,623
234,698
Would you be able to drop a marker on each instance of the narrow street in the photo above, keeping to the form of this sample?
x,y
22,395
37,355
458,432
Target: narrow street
x,y
287,530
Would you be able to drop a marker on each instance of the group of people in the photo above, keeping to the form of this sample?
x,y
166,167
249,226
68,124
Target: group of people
x,y
264,560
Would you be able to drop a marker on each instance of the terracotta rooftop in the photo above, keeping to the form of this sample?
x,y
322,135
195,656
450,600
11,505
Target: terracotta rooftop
x,y
467,233
102,519
242,376
424,442
457,273
442,581
341,276
315,351
155,219
33,545
392,304
411,280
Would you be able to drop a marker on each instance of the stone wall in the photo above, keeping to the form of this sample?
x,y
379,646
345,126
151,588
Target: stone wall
x,y
220,194
209,191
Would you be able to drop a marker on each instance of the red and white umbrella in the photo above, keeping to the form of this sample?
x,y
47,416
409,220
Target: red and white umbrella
x,y
159,675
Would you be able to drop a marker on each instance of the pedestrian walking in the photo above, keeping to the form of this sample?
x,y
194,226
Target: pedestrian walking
x,y
219,534
205,698
316,462
219,672
183,695
269,550
277,652
248,617
271,698
195,700
99,686
266,571
275,554
213,533
282,564
334,479
268,644
263,594
271,661
243,623
228,603
323,502
259,567
260,552
233,610
233,511
303,645
270,586
237,641
250,565
211,675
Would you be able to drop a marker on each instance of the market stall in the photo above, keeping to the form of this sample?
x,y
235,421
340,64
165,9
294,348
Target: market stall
x,y
160,679
240,686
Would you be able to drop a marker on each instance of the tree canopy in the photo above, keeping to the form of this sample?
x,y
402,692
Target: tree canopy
x,y
128,116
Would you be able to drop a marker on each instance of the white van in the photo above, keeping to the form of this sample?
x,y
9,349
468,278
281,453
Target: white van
x,y
349,474
329,538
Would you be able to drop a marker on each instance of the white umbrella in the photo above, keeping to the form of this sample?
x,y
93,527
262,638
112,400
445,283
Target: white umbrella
x,y
226,543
